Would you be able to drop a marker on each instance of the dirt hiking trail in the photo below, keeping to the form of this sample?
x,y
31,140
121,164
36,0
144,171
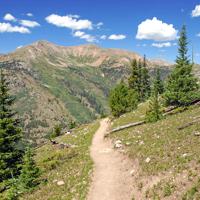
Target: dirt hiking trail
x,y
111,177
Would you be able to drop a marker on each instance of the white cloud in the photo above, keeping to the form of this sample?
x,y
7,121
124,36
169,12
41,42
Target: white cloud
x,y
78,33
7,27
103,37
99,25
116,37
196,11
29,14
161,45
83,35
154,29
29,23
198,35
69,21
74,16
19,47
9,17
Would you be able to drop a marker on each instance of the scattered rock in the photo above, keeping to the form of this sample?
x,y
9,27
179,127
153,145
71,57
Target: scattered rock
x,y
118,144
184,155
68,133
147,160
59,183
132,172
197,133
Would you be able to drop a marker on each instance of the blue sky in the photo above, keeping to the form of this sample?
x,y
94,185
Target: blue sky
x,y
148,27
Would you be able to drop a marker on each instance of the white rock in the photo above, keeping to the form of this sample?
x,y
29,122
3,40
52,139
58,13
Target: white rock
x,y
118,145
197,133
59,183
118,142
132,172
68,133
184,155
147,160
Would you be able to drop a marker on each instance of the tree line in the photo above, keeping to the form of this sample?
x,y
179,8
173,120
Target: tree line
x,y
180,88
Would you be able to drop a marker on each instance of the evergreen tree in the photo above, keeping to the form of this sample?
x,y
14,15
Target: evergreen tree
x,y
154,113
118,99
133,80
30,173
182,87
10,134
158,82
122,99
140,90
145,81
139,79
132,100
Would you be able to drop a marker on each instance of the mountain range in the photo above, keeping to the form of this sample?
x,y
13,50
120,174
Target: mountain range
x,y
59,85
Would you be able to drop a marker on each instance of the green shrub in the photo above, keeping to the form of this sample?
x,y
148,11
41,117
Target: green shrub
x,y
122,99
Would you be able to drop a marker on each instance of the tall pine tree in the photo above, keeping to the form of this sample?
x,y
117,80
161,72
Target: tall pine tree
x,y
145,81
139,79
182,87
133,80
10,134
158,82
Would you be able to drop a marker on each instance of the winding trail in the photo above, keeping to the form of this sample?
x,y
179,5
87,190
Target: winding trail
x,y
111,177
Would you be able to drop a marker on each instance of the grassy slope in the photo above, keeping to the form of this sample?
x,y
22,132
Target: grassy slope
x,y
82,89
71,165
170,150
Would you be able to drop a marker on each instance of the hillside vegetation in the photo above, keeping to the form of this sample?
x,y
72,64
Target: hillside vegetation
x,y
66,172
168,157
62,84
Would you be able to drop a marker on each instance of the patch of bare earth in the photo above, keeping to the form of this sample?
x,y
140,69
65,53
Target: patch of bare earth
x,y
112,179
